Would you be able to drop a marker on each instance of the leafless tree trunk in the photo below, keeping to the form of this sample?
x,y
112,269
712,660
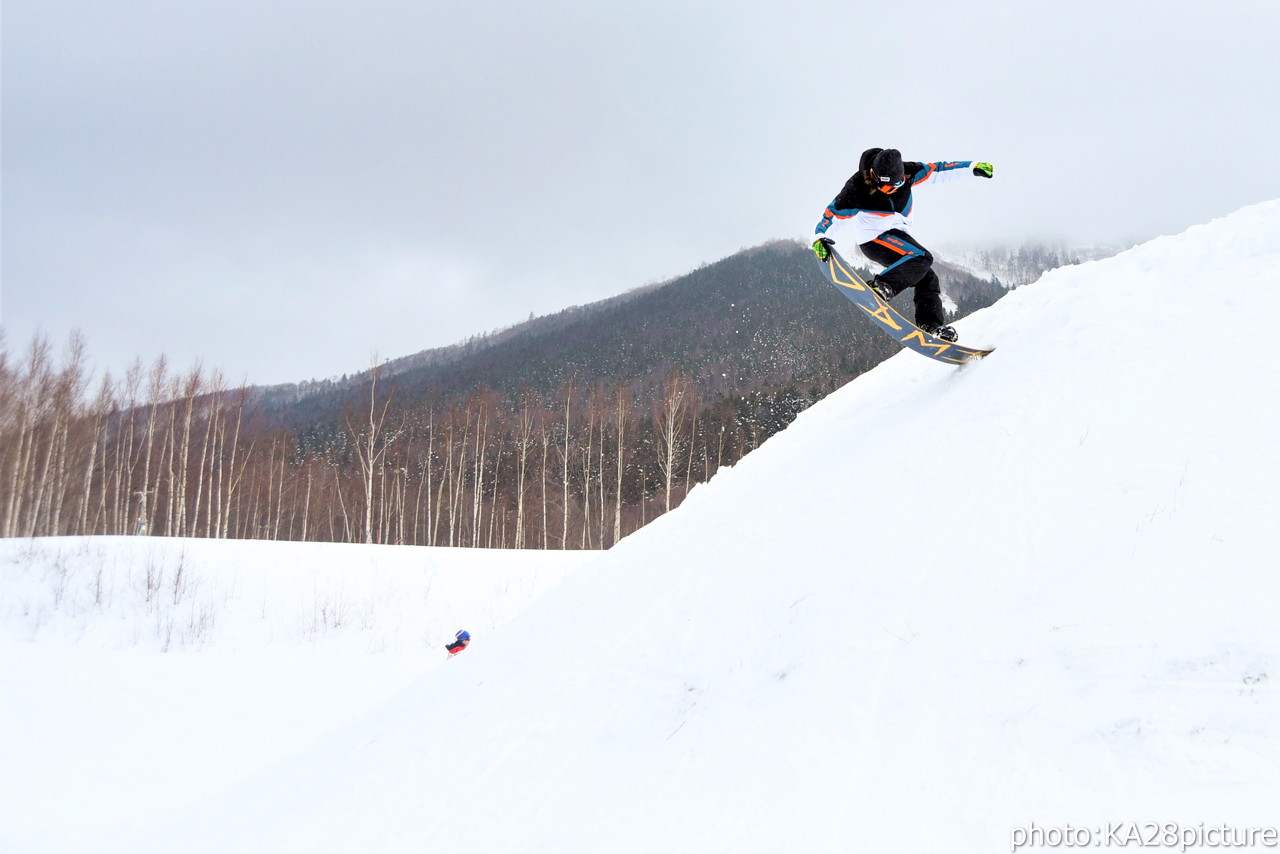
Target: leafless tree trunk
x,y
601,468
586,476
66,413
477,475
10,409
234,476
523,442
100,415
306,505
125,448
458,473
215,392
342,505
669,420
371,444
693,444
564,478
429,467
545,435
190,392
155,391
28,419
623,413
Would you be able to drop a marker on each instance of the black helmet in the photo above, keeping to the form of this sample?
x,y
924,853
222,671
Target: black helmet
x,y
886,169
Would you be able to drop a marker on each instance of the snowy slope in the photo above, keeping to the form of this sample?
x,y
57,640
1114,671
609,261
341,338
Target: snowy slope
x,y
249,596
942,605
139,676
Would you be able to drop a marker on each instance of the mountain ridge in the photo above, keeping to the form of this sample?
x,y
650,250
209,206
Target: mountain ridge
x,y
800,303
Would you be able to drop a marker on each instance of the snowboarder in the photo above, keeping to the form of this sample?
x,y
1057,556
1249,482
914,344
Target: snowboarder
x,y
873,212
461,639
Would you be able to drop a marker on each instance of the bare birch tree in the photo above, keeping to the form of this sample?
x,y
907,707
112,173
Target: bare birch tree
x,y
670,421
370,443
623,413
523,444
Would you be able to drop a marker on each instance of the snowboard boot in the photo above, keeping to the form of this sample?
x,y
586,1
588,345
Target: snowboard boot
x,y
881,289
946,333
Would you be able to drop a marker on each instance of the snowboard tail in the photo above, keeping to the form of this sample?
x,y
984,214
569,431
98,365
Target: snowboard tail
x,y
906,333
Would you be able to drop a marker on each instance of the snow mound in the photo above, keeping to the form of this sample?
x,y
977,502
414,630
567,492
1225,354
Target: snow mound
x,y
943,605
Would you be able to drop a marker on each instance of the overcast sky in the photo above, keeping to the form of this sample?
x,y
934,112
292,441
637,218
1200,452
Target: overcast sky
x,y
281,189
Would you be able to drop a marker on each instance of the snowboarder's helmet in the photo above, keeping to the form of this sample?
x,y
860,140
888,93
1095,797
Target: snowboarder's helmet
x,y
463,635
886,169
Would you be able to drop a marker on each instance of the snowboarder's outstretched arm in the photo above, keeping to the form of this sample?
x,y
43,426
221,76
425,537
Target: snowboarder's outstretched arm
x,y
946,171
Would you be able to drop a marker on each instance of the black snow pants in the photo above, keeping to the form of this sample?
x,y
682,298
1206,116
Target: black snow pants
x,y
907,264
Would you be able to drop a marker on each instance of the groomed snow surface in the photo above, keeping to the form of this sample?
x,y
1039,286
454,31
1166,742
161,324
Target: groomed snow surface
x,y
945,605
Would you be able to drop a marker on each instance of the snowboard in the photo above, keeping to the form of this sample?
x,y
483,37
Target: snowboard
x,y
906,333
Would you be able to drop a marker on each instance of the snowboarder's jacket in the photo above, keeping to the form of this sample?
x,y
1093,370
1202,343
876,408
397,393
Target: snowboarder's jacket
x,y
861,212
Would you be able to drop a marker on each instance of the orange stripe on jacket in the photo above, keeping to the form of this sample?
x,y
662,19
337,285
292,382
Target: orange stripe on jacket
x,y
928,173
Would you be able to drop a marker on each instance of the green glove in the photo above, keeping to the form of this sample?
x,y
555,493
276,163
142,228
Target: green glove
x,y
983,170
822,247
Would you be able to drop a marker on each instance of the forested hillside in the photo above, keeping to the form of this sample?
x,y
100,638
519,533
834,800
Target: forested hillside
x,y
764,317
568,431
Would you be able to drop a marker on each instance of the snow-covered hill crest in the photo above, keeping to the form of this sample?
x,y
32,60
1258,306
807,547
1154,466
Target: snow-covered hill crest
x,y
942,605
